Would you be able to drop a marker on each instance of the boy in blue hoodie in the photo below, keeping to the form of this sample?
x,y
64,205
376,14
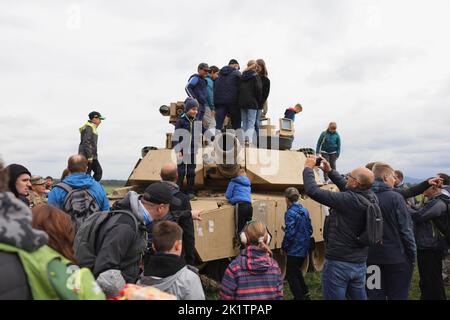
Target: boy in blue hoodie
x,y
296,243
239,194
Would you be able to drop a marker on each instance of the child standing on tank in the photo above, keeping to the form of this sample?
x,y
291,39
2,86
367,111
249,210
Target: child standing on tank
x,y
239,194
296,242
186,143
291,112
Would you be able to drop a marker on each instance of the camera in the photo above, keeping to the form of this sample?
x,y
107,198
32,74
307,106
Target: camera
x,y
318,161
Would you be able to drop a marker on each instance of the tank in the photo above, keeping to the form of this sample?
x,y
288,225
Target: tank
x,y
271,166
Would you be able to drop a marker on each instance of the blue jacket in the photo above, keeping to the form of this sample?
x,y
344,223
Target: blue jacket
x,y
210,91
290,114
239,190
298,231
196,88
398,245
57,196
331,144
226,87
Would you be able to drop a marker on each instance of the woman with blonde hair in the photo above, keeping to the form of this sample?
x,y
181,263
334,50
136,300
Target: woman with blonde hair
x,y
329,146
262,107
250,93
254,274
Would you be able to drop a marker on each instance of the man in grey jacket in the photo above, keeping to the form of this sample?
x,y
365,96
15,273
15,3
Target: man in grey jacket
x,y
166,269
344,273
88,143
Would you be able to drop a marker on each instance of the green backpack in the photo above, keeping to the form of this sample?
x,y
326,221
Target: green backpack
x,y
52,277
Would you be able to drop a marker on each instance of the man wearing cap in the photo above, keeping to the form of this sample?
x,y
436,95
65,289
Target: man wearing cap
x,y
226,89
37,194
88,144
197,88
119,245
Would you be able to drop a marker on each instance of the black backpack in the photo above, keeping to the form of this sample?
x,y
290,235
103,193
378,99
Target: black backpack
x,y
373,232
79,203
443,223
85,240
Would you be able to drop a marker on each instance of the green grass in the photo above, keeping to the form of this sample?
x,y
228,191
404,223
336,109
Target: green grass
x,y
312,279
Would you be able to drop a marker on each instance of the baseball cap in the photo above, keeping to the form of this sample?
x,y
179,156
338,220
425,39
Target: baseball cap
x,y
95,114
203,66
37,180
233,61
160,193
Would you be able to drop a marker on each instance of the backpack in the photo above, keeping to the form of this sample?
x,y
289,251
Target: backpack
x,y
86,237
79,203
373,233
443,222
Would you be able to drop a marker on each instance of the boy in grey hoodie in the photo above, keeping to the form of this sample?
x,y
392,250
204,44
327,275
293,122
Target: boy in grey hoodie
x,y
166,269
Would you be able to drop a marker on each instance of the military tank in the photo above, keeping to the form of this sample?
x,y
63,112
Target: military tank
x,y
271,166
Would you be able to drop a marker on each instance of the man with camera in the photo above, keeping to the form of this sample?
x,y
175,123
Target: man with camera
x,y
344,273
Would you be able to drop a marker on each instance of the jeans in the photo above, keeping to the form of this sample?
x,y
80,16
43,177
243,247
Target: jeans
x,y
258,121
395,282
331,158
342,280
248,117
222,110
97,168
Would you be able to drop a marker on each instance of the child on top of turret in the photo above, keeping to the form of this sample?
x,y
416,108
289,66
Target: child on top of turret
x,y
291,112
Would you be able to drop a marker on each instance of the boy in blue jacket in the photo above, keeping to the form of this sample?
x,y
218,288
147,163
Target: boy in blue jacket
x,y
239,194
196,88
296,243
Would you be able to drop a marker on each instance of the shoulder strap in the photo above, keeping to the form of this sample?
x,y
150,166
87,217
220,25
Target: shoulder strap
x,y
64,186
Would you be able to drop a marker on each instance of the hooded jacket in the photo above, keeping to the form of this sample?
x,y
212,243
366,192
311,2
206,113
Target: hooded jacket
x,y
88,141
347,218
197,88
250,90
331,144
398,245
170,274
14,171
290,113
425,219
210,91
118,246
226,87
253,275
193,130
239,190
298,231
16,231
57,196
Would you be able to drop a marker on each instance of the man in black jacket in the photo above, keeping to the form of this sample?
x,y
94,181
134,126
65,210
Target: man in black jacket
x,y
344,273
183,213
118,246
88,144
395,258
430,225
19,181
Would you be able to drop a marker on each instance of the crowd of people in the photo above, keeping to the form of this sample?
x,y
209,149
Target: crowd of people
x,y
70,231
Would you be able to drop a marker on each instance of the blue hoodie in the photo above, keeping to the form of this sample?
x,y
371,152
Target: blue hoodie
x,y
57,196
239,190
298,231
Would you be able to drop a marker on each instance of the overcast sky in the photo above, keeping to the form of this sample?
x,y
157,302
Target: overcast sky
x,y
380,69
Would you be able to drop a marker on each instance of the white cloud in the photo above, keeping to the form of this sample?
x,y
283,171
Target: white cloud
x,y
378,68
